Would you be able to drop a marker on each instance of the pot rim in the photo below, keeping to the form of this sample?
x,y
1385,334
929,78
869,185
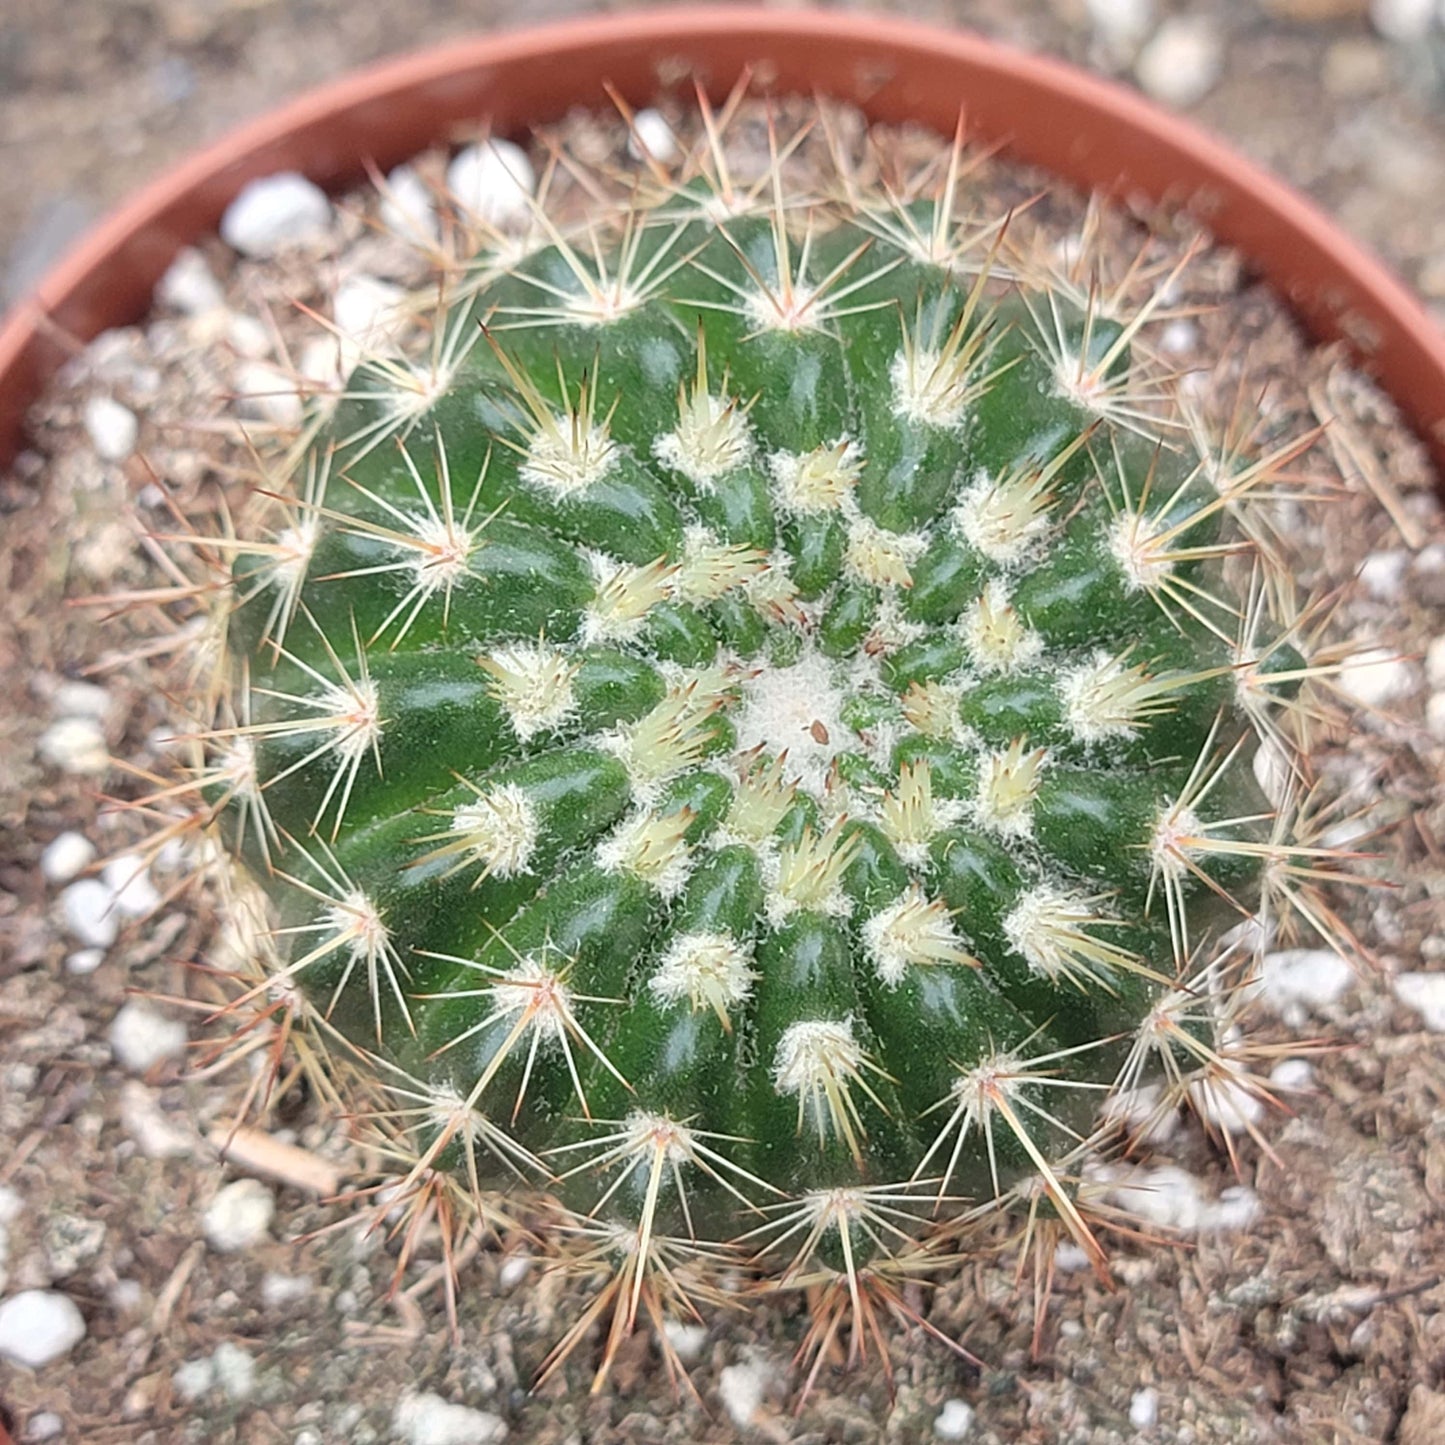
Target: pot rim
x,y
1092,132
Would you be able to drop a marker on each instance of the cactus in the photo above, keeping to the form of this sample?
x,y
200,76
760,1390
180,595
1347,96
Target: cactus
x,y
748,744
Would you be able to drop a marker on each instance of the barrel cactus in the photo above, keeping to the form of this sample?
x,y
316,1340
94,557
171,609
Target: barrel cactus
x,y
749,740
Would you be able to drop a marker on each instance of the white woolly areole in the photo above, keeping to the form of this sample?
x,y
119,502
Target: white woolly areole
x,y
814,1055
1002,519
294,546
995,635
500,830
879,557
1045,928
926,389
712,438
625,595
1008,782
649,1134
532,986
912,930
358,920
1170,850
533,684
787,308
439,553
710,970
797,710
1134,544
567,457
822,480
356,711
1095,695
652,848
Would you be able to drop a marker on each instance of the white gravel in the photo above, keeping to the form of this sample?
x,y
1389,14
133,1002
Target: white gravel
x,y
1144,1408
742,1389
1425,993
275,212
1295,982
66,856
38,1326
954,1421
155,1133
130,884
1174,1199
111,427
408,208
45,1425
1406,22
90,916
235,1371
427,1419
140,1038
238,1216
1182,61
75,745
194,1378
265,391
189,285
651,135
1376,676
84,961
687,1340
493,181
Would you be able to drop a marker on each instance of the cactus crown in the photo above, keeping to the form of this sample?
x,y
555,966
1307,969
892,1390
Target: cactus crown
x,y
749,735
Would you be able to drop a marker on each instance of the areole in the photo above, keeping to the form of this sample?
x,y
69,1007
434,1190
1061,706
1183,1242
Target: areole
x,y
1088,131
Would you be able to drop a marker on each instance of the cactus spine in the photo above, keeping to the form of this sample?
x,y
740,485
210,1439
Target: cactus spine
x,y
750,739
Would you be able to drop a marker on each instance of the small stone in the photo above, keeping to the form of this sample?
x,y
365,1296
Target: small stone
x,y
1173,1199
1424,1421
954,1421
140,1038
1180,337
652,136
112,428
408,208
71,1241
189,285
1435,715
742,1389
235,1371
11,1205
1292,1075
514,1270
1296,982
1225,1105
1425,993
248,336
75,745
84,961
65,856
193,1379
275,212
238,1216
1182,62
1406,22
44,1425
1435,663
154,1133
266,391
280,1290
687,1340
1355,67
1376,676
427,1419
82,699
129,881
1383,573
38,1326
493,181
90,917
367,311
1144,1408
1120,26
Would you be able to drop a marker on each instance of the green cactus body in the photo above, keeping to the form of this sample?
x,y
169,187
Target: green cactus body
x,y
760,737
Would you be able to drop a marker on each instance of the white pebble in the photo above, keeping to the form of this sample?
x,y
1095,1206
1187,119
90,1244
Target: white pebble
x,y
268,392
248,336
1182,62
493,181
408,208
1226,1105
1376,676
140,1038
155,1134
1435,663
46,1425
189,284
235,1371
1144,1408
112,428
1425,993
742,1389
89,910
193,1378
84,961
238,1216
954,1421
279,1290
65,856
1435,715
1292,1075
1383,573
427,1419
651,135
1179,337
1406,22
514,1270
1121,24
38,1326
319,362
81,699
687,1340
11,1205
128,880
275,212
1296,982
75,745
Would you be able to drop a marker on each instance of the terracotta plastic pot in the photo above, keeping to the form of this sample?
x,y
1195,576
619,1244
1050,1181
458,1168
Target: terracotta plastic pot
x,y
1089,131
